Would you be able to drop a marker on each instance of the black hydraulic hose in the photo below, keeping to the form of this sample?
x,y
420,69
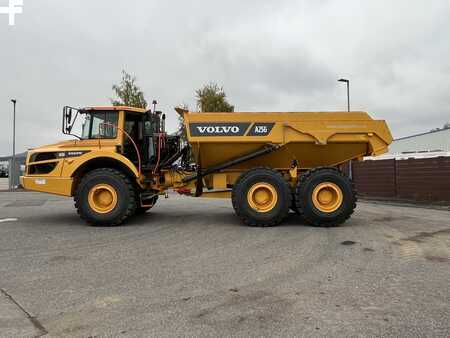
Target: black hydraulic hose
x,y
174,157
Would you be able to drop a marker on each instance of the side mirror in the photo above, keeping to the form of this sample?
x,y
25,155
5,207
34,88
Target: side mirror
x,y
69,115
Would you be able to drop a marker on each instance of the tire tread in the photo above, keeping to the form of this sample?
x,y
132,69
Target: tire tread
x,y
237,206
299,201
131,207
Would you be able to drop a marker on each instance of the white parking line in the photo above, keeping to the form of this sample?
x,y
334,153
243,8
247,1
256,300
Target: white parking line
x,y
8,220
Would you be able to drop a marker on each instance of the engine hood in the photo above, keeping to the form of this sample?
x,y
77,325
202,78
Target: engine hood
x,y
54,146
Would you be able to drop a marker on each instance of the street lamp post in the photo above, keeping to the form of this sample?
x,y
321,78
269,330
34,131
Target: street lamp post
x,y
350,166
14,145
348,92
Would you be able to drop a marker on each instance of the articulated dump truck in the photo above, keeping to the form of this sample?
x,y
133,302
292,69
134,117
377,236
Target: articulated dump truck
x,y
267,163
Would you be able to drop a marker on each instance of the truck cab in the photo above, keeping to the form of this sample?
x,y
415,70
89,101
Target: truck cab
x,y
130,140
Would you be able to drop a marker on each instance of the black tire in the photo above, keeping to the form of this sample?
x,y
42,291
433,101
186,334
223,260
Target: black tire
x,y
142,210
243,209
304,197
126,202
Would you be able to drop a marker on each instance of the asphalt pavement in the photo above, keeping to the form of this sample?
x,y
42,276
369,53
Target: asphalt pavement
x,y
190,268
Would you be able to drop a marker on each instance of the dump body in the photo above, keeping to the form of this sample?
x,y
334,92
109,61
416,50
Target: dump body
x,y
312,138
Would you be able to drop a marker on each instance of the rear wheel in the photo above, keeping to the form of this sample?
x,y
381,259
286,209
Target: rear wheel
x,y
105,197
261,197
325,197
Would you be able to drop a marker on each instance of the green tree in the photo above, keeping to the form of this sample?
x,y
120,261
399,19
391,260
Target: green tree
x,y
128,93
212,98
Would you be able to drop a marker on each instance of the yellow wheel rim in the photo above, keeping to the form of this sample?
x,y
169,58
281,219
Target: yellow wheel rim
x,y
327,197
262,197
102,198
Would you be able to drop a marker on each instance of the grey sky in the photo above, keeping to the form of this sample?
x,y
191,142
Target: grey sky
x,y
268,55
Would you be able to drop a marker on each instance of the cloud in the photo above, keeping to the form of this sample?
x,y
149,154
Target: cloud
x,y
269,56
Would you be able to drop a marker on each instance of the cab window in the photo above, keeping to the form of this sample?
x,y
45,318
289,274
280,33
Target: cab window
x,y
100,124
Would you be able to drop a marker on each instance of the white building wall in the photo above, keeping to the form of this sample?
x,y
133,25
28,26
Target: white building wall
x,y
436,140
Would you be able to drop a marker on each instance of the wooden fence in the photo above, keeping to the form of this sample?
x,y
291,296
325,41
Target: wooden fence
x,y
423,180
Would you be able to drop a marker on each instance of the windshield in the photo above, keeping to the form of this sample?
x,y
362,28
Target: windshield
x,y
99,124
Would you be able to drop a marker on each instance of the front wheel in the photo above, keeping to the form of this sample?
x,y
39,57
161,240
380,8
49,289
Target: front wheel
x,y
105,197
325,197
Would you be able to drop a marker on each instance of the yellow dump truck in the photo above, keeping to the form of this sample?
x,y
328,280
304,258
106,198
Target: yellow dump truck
x,y
266,162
